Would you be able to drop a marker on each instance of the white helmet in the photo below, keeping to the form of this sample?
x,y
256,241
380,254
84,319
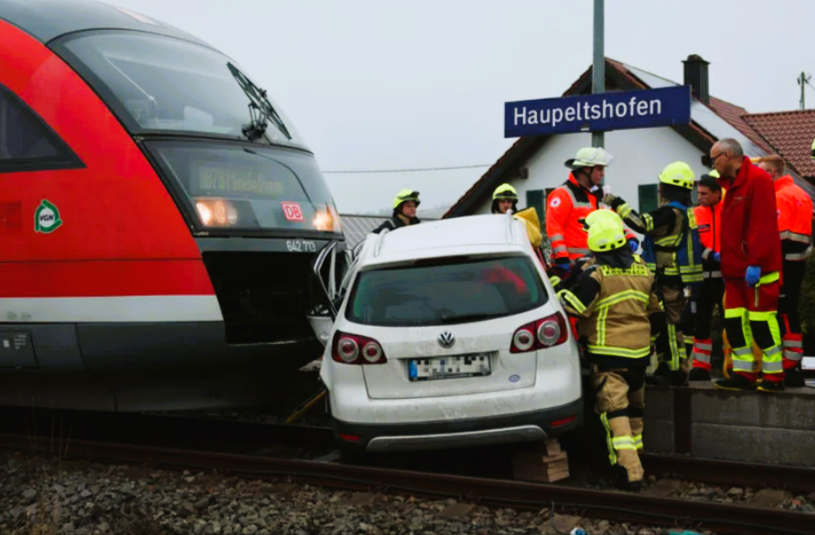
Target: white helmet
x,y
589,157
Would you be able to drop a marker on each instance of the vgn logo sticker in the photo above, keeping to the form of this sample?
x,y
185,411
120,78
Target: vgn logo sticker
x,y
46,218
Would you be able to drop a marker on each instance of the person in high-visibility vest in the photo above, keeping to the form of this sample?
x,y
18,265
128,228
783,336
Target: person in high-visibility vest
x,y
668,230
751,267
795,226
504,198
618,311
568,206
711,292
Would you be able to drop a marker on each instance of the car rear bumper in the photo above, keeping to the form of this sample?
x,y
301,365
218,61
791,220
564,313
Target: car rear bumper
x,y
521,427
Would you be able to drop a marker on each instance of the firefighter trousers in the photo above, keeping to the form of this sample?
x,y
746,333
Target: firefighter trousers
x,y
670,342
621,405
709,295
790,325
751,314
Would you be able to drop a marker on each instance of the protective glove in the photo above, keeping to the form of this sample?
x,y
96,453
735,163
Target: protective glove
x,y
634,244
717,257
609,198
752,275
564,266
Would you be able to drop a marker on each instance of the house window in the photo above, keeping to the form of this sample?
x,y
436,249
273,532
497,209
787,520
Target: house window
x,y
26,142
536,200
648,198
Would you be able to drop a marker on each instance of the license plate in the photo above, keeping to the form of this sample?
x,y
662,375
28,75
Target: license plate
x,y
449,367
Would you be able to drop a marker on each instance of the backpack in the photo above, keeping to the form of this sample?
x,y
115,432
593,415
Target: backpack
x,y
688,251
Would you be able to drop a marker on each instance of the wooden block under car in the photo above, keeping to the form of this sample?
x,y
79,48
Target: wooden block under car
x,y
544,462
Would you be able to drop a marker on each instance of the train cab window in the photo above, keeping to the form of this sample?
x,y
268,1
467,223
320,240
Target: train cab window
x,y
26,142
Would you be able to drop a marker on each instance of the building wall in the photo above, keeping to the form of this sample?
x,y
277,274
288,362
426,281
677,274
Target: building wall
x,y
639,157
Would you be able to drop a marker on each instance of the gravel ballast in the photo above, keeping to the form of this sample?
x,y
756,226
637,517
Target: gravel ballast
x,y
46,496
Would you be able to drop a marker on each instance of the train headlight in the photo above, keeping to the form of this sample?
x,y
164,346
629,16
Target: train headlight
x,y
216,212
327,220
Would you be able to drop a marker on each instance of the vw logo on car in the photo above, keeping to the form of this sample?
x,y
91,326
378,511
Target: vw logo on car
x,y
446,339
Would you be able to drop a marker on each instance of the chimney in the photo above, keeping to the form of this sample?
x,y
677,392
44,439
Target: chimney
x,y
696,77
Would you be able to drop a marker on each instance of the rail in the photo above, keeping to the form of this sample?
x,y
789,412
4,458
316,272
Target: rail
x,y
620,506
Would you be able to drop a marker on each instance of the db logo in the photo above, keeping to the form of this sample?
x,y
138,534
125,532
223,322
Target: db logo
x,y
554,203
292,211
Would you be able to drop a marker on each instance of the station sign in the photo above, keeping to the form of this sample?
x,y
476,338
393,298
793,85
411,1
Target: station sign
x,y
599,112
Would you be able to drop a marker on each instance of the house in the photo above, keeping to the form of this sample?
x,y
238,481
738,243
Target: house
x,y
535,165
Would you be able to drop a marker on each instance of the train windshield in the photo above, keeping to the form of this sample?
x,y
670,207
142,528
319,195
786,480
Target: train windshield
x,y
233,187
157,83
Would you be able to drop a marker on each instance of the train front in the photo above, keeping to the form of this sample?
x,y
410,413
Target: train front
x,y
187,225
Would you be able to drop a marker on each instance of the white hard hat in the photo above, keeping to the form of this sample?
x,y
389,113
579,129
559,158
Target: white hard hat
x,y
589,157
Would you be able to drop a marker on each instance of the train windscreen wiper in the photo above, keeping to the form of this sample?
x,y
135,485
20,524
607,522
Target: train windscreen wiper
x,y
260,109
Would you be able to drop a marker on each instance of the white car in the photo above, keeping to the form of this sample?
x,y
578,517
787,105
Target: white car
x,y
450,335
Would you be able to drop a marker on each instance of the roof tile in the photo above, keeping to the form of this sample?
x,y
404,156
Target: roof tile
x,y
790,134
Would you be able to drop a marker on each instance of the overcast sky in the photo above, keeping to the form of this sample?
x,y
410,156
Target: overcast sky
x,y
393,85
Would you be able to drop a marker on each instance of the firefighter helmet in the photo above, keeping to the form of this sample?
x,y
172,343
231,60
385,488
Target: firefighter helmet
x,y
605,235
678,174
505,192
602,215
404,196
590,157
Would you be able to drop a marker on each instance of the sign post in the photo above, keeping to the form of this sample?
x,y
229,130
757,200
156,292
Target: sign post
x,y
598,79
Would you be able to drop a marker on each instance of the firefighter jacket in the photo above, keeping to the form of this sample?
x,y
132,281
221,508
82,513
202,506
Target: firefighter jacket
x,y
618,309
566,209
794,219
664,225
709,223
397,221
750,236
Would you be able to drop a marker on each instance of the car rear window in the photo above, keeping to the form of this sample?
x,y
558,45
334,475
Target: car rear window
x,y
446,292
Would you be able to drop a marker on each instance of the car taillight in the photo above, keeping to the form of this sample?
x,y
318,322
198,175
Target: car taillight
x,y
547,332
354,349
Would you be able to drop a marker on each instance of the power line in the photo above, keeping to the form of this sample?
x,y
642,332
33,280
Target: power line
x,y
409,170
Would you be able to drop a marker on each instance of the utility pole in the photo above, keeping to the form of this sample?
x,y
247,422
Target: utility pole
x,y
802,81
598,82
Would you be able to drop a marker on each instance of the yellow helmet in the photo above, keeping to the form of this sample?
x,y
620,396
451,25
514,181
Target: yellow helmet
x,y
404,196
505,192
678,174
714,174
605,234
602,215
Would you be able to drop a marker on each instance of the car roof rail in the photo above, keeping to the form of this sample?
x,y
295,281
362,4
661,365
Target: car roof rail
x,y
510,219
378,244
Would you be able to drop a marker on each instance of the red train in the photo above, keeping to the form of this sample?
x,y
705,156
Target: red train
x,y
158,216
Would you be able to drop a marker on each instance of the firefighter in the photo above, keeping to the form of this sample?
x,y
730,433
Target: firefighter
x,y
404,211
751,266
672,252
794,209
618,313
504,198
711,293
568,206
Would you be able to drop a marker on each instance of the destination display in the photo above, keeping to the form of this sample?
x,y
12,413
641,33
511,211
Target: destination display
x,y
233,180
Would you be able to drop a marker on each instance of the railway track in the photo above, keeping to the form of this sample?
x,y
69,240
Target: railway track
x,y
612,505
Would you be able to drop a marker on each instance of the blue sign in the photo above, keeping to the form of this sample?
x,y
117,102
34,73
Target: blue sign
x,y
617,110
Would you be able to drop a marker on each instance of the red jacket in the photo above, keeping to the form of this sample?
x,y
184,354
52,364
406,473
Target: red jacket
x,y
749,223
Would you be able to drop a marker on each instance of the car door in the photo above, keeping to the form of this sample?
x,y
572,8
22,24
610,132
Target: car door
x,y
331,271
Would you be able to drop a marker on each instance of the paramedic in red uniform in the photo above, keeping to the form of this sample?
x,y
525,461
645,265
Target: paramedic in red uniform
x,y
751,266
568,206
795,225
709,222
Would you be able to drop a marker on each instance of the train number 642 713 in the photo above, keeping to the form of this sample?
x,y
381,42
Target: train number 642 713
x,y
301,246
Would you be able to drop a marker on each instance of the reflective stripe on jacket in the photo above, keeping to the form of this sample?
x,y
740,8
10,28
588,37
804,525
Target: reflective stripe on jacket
x,y
709,222
615,318
566,209
794,208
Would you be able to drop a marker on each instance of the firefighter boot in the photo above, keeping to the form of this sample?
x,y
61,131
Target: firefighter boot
x,y
736,381
794,377
699,374
661,375
623,452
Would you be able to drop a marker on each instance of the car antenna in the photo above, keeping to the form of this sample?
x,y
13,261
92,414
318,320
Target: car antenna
x,y
260,108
